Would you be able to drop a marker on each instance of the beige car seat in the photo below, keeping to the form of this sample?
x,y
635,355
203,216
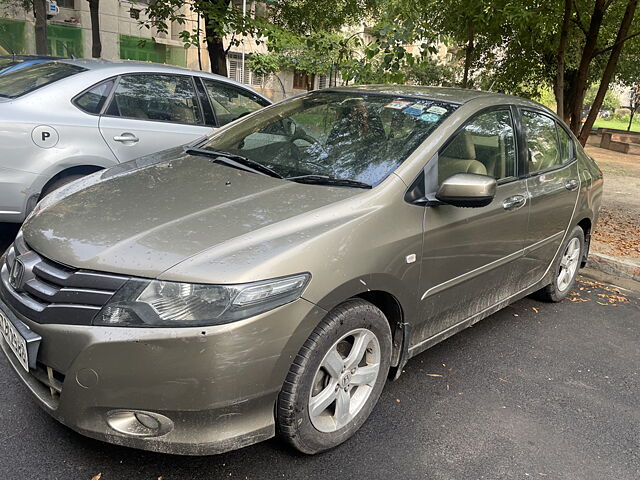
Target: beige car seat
x,y
459,157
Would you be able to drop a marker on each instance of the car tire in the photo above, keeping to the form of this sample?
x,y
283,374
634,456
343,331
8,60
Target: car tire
x,y
565,268
355,327
59,183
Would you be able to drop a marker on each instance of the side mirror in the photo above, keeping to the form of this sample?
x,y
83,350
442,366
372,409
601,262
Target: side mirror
x,y
467,190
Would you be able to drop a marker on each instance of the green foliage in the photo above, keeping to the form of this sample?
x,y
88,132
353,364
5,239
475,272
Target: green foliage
x,y
611,101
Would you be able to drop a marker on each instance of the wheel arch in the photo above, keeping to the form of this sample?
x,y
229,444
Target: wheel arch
x,y
75,170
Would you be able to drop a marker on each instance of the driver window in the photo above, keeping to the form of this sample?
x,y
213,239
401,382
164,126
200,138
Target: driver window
x,y
485,145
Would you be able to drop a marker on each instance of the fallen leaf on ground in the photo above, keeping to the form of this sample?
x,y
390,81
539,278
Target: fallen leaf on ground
x,y
434,374
535,309
97,477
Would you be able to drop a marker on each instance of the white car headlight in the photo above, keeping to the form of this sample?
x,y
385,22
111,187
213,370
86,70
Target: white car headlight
x,y
173,304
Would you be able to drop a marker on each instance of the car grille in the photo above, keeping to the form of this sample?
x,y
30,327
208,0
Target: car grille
x,y
48,292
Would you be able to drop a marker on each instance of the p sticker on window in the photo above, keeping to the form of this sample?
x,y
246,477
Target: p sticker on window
x,y
437,110
397,104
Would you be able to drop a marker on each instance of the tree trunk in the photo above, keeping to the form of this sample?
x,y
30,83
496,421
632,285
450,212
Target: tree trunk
x,y
633,111
96,43
558,87
609,70
215,47
580,85
468,53
40,12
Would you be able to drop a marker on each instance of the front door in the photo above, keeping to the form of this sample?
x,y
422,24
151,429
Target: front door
x,y
151,112
553,186
472,257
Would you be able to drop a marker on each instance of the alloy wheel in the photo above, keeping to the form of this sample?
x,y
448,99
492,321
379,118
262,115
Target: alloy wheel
x,y
344,380
568,264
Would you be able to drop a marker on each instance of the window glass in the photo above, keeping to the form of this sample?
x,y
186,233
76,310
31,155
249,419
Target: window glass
x,y
27,79
93,100
542,141
485,145
230,103
566,145
166,98
346,135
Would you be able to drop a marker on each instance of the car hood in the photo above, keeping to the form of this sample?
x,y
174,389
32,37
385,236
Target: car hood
x,y
143,222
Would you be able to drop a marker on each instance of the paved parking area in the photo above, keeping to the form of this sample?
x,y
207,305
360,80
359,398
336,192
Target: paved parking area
x,y
545,391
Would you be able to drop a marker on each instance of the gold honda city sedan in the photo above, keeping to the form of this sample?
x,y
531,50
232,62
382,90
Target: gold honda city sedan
x,y
269,278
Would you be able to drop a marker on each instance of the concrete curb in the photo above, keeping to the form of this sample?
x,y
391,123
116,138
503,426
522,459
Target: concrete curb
x,y
614,266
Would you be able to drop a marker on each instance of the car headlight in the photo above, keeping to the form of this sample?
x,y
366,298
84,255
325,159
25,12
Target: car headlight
x,y
159,303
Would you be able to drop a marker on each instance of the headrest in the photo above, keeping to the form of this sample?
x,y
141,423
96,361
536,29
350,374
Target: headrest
x,y
461,147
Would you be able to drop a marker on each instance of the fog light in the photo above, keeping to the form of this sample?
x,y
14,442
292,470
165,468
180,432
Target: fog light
x,y
139,424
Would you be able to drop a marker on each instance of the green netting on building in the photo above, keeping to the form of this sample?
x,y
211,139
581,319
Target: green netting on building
x,y
12,35
64,41
146,50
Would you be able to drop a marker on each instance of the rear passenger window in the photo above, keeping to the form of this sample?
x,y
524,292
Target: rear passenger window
x,y
566,145
542,142
166,98
485,145
230,103
93,100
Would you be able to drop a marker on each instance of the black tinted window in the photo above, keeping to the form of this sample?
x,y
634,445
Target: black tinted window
x,y
167,98
93,100
19,82
230,103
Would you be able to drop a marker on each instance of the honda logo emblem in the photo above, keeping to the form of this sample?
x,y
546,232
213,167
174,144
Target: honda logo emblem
x,y
16,276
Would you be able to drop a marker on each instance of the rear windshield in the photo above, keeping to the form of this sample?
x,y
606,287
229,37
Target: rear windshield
x,y
19,82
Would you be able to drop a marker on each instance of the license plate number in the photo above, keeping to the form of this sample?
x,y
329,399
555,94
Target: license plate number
x,y
15,340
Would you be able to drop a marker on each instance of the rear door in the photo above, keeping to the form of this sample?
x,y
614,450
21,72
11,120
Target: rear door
x,y
472,257
553,185
149,112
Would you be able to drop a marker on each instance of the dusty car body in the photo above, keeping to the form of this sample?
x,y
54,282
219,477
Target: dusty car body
x,y
479,211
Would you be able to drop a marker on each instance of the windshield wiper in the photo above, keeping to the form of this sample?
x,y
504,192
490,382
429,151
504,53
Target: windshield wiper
x,y
326,180
234,160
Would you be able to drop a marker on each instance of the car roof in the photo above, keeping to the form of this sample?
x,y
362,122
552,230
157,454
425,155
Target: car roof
x,y
118,67
445,94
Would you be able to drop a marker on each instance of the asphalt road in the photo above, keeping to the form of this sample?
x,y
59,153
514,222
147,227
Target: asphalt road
x,y
546,391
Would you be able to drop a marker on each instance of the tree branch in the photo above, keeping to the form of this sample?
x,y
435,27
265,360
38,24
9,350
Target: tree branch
x,y
611,47
578,19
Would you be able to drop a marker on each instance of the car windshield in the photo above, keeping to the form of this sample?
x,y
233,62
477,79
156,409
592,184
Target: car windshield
x,y
25,80
337,134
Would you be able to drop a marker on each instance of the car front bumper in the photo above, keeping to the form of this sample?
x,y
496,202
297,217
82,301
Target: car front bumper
x,y
216,385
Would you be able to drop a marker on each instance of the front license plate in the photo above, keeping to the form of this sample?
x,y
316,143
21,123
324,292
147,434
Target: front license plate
x,y
17,342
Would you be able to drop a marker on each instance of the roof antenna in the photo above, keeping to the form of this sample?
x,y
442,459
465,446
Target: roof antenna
x,y
66,47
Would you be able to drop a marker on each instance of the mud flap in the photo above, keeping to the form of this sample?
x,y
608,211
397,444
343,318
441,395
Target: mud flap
x,y
401,345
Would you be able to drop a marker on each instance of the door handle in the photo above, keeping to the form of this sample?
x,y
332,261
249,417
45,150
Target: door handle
x,y
515,202
126,138
571,184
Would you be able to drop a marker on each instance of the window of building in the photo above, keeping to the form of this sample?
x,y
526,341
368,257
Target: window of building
x,y
146,50
64,41
303,81
323,81
66,4
160,97
12,33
